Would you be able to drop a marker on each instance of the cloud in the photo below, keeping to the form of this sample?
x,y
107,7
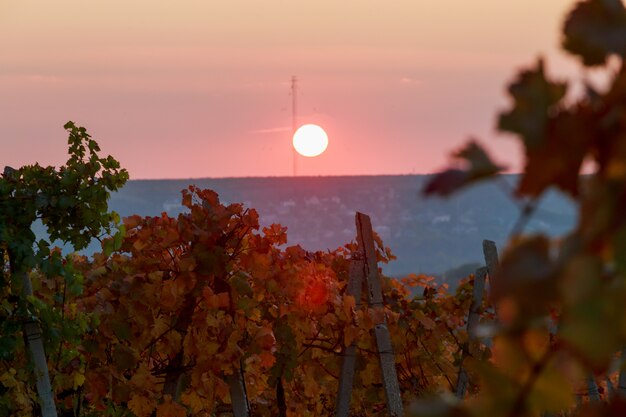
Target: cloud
x,y
271,130
409,80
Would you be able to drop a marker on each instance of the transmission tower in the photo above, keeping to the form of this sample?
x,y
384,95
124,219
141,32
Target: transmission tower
x,y
294,124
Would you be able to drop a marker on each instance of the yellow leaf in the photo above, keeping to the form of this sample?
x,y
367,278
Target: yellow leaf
x,y
79,379
211,348
193,400
8,378
349,304
552,391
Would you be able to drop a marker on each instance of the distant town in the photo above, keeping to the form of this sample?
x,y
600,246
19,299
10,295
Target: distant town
x,y
442,237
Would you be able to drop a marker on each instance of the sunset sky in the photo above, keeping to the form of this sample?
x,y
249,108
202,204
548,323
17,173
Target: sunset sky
x,y
202,88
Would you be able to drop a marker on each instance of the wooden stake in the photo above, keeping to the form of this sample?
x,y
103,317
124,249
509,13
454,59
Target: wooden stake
x,y
472,323
367,269
238,396
346,377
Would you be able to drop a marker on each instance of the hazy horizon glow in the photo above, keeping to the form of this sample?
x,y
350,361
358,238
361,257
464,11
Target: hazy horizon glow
x,y
201,89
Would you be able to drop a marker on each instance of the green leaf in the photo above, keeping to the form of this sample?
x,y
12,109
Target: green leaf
x,y
122,330
239,281
108,247
119,237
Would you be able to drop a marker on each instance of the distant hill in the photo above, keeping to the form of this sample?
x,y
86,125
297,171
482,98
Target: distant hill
x,y
430,235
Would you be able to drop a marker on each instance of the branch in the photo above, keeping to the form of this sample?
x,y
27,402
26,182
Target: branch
x,y
527,211
434,360
519,405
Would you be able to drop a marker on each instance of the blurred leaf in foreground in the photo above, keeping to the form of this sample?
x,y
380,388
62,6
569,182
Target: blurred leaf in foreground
x,y
477,166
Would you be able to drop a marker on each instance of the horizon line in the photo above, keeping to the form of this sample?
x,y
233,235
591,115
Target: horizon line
x,y
301,176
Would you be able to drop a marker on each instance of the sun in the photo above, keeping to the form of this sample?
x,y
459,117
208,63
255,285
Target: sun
x,y
310,140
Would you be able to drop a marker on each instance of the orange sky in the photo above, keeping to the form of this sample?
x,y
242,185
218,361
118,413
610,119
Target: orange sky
x,y
201,88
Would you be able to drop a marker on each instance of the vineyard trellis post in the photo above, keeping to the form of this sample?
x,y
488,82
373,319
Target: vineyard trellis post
x,y
364,274
491,260
490,253
238,396
472,322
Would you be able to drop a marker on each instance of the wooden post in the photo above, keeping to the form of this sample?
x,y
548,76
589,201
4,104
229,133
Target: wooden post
x,y
367,269
621,382
491,257
34,343
365,238
472,323
238,396
490,253
346,377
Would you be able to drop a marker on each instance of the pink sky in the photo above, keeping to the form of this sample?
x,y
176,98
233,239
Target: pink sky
x,y
201,88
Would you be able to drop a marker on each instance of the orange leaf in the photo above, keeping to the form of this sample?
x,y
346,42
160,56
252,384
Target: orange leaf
x,y
349,304
141,406
143,378
223,300
139,244
170,409
265,338
132,221
187,264
194,401
168,295
267,359
427,322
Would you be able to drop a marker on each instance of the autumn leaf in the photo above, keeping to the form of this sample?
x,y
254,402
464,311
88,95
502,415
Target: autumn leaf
x,y
559,159
170,409
267,359
477,166
277,233
193,400
124,358
187,264
527,276
265,338
172,293
143,378
141,406
533,97
595,29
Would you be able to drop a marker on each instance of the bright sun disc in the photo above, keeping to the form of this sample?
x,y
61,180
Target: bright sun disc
x,y
310,140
